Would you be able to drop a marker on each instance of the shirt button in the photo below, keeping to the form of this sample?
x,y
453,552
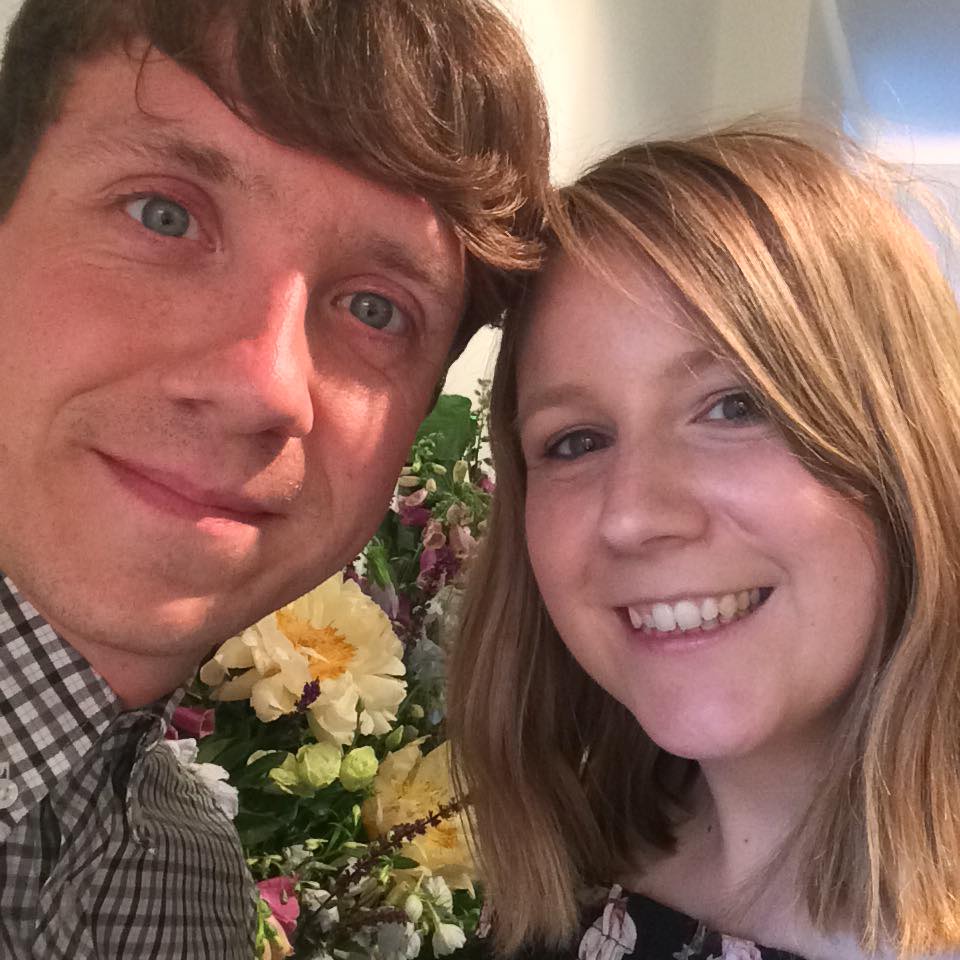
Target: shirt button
x,y
9,792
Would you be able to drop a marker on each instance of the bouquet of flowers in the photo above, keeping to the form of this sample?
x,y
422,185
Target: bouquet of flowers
x,y
320,728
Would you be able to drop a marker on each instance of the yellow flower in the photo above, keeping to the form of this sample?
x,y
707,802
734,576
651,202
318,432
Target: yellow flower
x,y
334,635
408,786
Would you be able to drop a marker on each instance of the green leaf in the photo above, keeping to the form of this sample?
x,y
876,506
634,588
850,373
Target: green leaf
x,y
452,426
256,827
234,755
378,564
251,774
403,863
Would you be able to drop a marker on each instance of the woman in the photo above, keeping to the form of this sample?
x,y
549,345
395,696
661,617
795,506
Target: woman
x,y
712,656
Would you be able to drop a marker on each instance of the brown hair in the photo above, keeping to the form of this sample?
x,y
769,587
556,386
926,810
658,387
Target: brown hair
x,y
796,264
437,97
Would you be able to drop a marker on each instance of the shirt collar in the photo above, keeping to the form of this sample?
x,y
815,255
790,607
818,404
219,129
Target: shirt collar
x,y
54,708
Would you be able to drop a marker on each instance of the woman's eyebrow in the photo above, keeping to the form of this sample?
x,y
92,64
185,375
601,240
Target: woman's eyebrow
x,y
692,363
555,395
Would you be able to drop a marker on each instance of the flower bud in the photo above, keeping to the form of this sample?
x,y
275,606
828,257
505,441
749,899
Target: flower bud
x,y
415,712
408,483
439,469
460,471
413,908
431,486
394,739
285,775
359,767
318,764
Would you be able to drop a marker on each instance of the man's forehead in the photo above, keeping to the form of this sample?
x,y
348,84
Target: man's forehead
x,y
125,127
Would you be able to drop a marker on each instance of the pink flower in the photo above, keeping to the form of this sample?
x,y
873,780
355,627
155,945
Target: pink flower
x,y
415,499
734,949
433,538
486,484
462,542
192,722
278,894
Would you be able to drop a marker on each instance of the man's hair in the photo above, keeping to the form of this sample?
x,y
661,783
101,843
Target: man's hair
x,y
435,97
794,264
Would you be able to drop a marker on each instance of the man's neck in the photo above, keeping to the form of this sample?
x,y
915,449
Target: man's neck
x,y
138,679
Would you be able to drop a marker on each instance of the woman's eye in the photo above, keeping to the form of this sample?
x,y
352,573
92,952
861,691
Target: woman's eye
x,y
574,445
740,408
163,216
375,311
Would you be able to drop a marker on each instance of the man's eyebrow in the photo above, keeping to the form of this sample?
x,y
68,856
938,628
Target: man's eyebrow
x,y
441,284
153,145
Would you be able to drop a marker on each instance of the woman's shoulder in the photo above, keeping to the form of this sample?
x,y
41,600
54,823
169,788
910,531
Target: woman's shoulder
x,y
630,925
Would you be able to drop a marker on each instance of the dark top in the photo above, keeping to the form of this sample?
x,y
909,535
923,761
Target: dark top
x,y
634,926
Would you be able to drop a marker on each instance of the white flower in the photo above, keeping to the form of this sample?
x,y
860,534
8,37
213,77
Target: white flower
x,y
612,935
313,900
734,949
334,635
212,776
397,941
447,938
439,893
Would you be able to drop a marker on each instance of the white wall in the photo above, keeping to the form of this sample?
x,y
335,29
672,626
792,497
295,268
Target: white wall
x,y
7,9
615,71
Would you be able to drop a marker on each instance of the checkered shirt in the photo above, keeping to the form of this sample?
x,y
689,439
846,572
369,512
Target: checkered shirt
x,y
108,848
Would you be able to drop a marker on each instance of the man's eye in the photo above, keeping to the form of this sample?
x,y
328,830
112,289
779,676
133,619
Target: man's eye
x,y
375,311
574,445
163,216
739,408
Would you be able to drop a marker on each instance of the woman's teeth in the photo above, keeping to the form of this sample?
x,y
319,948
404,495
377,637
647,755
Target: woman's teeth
x,y
702,614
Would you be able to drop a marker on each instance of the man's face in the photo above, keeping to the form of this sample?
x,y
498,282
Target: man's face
x,y
216,351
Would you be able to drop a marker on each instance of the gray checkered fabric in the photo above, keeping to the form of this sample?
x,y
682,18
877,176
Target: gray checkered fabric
x,y
108,848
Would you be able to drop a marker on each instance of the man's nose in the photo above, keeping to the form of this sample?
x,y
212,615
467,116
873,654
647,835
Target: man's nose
x,y
249,366
650,500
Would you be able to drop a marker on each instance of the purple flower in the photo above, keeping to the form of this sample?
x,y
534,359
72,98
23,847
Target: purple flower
x,y
414,516
310,693
404,611
385,598
436,568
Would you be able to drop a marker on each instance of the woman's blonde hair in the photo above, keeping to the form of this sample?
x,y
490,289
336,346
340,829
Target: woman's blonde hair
x,y
793,261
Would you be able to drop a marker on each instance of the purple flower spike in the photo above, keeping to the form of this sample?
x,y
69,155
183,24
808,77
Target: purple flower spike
x,y
310,693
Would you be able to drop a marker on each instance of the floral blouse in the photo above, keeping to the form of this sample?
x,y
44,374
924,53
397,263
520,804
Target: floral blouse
x,y
633,926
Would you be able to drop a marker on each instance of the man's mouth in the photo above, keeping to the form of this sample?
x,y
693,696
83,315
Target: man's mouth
x,y
173,491
701,613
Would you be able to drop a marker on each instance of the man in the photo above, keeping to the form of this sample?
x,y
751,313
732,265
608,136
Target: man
x,y
240,241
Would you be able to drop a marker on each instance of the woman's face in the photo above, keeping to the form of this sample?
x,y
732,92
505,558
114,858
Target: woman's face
x,y
691,564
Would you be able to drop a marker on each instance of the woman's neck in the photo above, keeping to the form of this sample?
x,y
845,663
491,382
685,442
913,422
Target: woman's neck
x,y
735,867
